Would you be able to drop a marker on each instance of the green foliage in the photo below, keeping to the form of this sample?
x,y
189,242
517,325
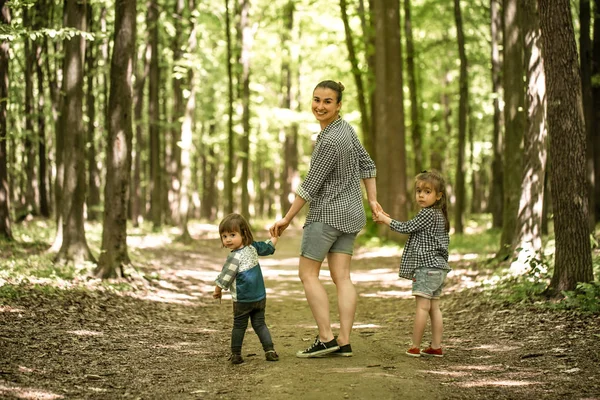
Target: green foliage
x,y
586,298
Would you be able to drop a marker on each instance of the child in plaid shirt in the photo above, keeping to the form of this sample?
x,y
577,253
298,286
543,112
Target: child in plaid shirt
x,y
425,258
241,274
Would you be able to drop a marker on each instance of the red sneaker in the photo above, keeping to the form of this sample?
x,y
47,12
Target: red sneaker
x,y
414,352
433,352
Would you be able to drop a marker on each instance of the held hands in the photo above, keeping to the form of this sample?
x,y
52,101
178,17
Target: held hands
x,y
278,227
379,216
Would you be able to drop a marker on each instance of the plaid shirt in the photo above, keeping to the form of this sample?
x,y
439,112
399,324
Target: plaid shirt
x,y
241,273
427,245
332,184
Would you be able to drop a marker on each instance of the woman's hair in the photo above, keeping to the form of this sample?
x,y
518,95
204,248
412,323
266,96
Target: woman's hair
x,y
236,223
439,185
337,87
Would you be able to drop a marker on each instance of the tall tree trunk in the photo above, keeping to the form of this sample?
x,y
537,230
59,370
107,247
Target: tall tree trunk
x,y
440,141
596,106
585,52
209,175
41,15
289,170
229,169
154,112
5,220
390,145
137,194
528,234
113,256
29,202
247,31
93,197
497,191
368,34
415,122
573,257
514,117
173,159
187,143
463,110
356,73
74,247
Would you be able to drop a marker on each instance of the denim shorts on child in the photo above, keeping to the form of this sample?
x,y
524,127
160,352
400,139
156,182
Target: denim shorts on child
x,y
318,239
428,282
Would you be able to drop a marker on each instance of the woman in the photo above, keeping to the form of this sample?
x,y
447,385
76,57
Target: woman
x,y
335,216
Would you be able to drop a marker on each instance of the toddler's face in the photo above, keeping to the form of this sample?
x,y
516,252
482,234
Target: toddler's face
x,y
232,240
425,194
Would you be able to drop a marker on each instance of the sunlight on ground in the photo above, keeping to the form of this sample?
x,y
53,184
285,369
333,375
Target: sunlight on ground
x,y
380,252
407,294
489,382
498,367
494,348
28,393
148,241
11,309
86,333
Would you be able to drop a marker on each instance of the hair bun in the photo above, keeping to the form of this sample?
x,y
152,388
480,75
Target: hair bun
x,y
342,87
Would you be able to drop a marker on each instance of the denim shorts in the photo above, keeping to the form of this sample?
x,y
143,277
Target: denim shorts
x,y
428,282
318,239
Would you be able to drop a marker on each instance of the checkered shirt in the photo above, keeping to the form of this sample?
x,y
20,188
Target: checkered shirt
x,y
241,272
427,245
332,184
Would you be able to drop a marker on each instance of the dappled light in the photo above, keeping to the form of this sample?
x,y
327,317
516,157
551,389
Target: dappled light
x,y
28,393
490,382
85,333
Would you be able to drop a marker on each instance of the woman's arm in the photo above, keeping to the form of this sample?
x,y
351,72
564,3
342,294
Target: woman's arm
x,y
281,225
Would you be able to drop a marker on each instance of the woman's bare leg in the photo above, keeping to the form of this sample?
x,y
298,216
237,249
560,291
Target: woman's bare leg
x,y
339,267
316,296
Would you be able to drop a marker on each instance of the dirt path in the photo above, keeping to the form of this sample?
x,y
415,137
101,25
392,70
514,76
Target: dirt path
x,y
171,340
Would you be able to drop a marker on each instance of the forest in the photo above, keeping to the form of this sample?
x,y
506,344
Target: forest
x,y
129,129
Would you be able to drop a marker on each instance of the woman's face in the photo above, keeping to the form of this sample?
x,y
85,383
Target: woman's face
x,y
325,106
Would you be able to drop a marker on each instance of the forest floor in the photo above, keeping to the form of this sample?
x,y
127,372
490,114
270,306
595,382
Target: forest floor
x,y
169,339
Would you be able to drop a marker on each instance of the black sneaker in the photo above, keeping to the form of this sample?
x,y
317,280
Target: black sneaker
x,y
236,359
319,349
271,355
343,351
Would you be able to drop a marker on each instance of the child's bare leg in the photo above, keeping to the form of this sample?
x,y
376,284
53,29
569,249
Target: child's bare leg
x,y
421,315
437,326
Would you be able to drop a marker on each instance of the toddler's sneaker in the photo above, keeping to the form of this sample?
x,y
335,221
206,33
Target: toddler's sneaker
x,y
236,359
271,355
433,352
414,352
319,349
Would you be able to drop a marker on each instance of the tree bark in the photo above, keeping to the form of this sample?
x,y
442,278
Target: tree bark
x,y
497,191
528,235
356,73
74,247
596,106
390,145
93,198
113,256
573,258
247,32
514,117
154,113
463,111
415,122
5,219
230,134
585,62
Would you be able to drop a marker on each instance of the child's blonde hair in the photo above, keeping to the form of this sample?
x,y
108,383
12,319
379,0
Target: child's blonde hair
x,y
439,185
236,223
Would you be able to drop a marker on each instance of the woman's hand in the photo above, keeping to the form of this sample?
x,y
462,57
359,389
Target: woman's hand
x,y
278,227
376,209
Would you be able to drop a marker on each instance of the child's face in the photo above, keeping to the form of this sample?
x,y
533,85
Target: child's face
x,y
232,240
425,194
